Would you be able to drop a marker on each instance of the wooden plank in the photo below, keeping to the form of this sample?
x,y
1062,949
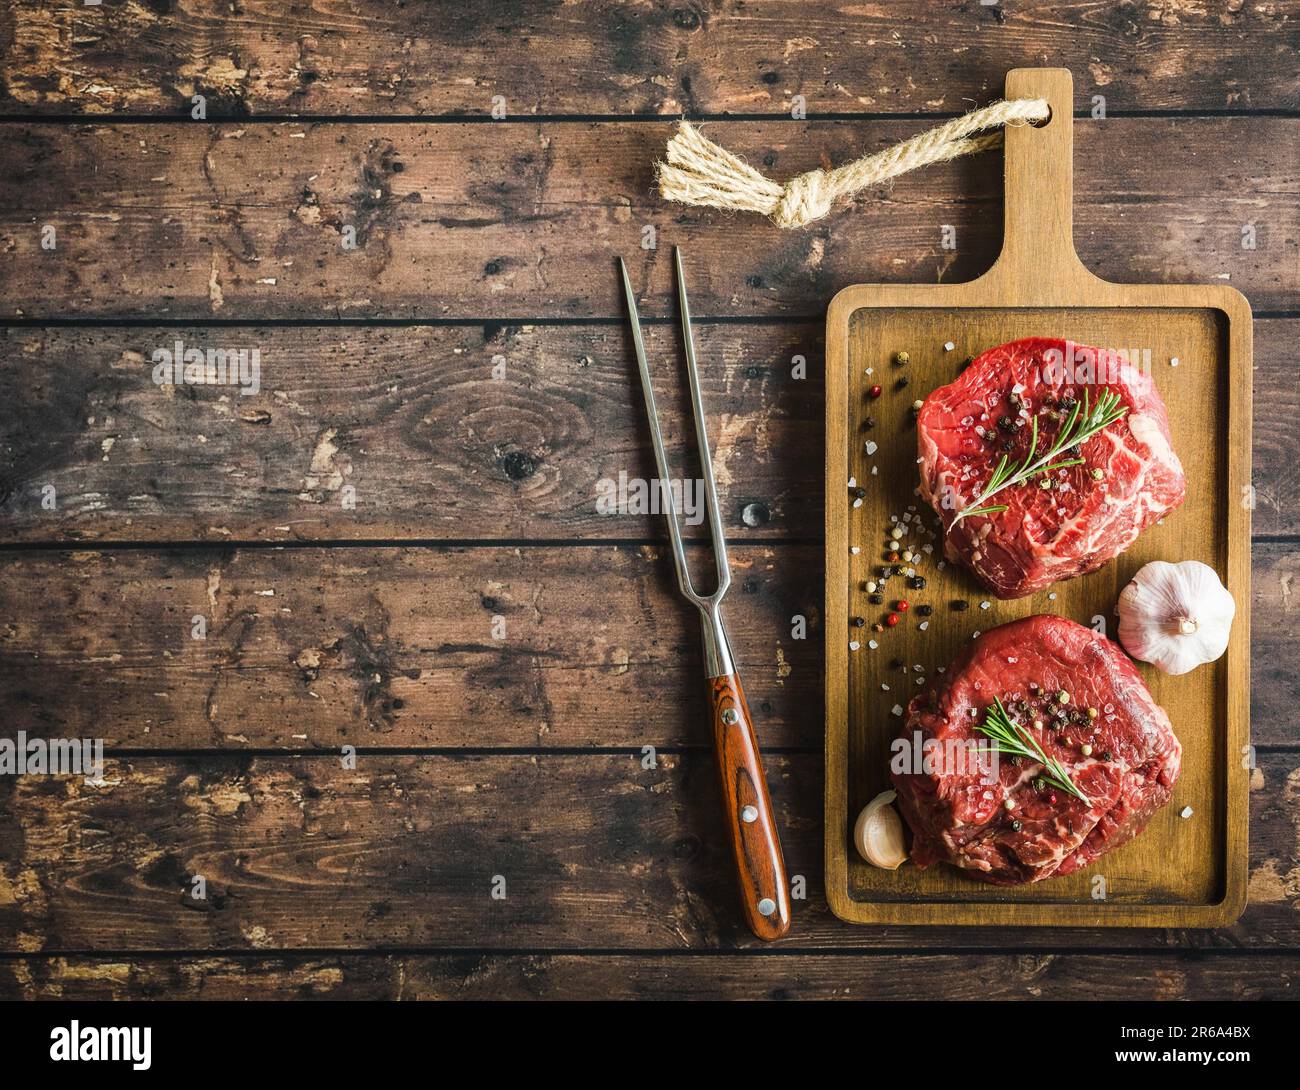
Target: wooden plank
x,y
397,647
885,976
393,648
434,448
595,851
369,57
413,421
522,221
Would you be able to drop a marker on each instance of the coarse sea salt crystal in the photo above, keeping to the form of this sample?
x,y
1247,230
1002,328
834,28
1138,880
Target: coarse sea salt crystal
x,y
897,709
854,645
883,687
1052,597
948,346
853,482
857,501
923,625
872,644
871,446
1185,812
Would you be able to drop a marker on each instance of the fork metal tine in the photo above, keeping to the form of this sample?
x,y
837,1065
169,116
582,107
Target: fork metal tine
x,y
657,440
702,437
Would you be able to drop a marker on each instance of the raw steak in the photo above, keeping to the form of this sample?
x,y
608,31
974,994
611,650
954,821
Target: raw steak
x,y
1130,475
958,813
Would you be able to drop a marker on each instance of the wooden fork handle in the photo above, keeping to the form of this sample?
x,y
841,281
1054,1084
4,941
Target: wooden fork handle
x,y
764,891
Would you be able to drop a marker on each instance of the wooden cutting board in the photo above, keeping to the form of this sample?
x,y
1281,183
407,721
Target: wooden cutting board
x,y
1182,871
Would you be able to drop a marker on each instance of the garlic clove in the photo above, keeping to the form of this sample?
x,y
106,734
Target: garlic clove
x,y
878,833
1176,616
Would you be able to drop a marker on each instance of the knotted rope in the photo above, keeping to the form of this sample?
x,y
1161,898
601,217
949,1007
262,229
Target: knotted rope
x,y
698,171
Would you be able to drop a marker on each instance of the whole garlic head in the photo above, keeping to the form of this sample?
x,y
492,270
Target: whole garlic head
x,y
1175,616
878,833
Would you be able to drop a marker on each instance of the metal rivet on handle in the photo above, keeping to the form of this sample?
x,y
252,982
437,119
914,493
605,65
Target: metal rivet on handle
x,y
749,813
766,906
729,716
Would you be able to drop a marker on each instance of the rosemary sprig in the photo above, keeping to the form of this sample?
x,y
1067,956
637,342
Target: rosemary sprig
x,y
1010,737
1084,422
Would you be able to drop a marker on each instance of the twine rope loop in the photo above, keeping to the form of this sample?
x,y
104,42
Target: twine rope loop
x,y
698,171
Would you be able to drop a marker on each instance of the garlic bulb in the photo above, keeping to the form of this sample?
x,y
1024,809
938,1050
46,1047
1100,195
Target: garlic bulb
x,y
1175,616
878,833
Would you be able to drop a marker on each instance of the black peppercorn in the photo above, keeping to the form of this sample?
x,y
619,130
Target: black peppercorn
x,y
859,622
1015,825
1107,756
917,582
876,599
903,382
925,611
869,422
1006,423
961,604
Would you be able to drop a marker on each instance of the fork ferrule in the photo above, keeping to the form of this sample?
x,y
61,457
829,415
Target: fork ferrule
x,y
717,648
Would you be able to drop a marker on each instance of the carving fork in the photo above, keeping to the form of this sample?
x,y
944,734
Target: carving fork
x,y
763,887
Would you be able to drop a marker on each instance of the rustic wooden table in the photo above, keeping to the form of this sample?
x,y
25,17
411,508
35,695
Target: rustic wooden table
x,y
394,545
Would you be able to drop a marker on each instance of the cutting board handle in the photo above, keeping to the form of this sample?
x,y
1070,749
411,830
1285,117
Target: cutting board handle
x,y
1038,258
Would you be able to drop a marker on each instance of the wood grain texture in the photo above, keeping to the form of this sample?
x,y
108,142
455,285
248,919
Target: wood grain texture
x,y
392,648
1038,285
395,647
596,851
747,811
477,220
409,418
904,976
413,420
368,57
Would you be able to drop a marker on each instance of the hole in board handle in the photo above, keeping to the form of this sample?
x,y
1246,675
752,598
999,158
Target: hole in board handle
x,y
1045,122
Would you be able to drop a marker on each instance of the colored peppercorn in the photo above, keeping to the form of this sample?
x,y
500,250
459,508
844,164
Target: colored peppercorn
x,y
892,620
901,605
874,391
